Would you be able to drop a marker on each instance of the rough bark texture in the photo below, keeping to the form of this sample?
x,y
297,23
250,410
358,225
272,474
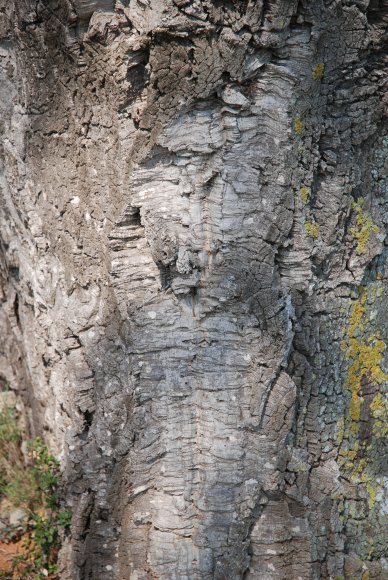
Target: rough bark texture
x,y
193,296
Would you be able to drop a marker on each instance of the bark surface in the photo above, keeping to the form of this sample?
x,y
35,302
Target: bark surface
x,y
193,289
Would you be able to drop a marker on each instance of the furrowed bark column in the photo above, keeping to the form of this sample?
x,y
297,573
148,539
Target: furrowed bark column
x,y
193,287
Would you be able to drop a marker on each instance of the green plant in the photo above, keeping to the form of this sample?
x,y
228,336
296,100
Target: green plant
x,y
16,483
34,486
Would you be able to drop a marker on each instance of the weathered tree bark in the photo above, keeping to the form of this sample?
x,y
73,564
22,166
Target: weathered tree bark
x,y
193,294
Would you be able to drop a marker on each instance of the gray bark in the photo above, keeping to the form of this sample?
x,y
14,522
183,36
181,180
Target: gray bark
x,y
188,277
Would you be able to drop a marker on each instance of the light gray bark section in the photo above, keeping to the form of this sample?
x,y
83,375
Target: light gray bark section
x,y
169,322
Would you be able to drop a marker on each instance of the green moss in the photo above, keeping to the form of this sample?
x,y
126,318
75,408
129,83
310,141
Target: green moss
x,y
298,125
304,194
312,229
318,71
363,228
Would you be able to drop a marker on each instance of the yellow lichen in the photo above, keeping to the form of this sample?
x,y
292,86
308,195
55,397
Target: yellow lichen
x,y
357,314
352,454
359,475
372,493
340,430
371,548
355,407
364,227
354,428
304,194
298,125
312,229
365,355
318,71
379,409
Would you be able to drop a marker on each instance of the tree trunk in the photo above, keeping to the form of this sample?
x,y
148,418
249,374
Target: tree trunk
x,y
193,296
